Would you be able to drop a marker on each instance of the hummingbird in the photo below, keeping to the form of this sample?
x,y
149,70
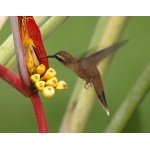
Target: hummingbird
x,y
86,68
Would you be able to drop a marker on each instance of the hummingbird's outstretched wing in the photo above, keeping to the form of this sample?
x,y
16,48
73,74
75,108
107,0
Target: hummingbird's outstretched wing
x,y
100,55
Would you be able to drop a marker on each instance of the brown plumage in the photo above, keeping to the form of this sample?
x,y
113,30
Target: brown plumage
x,y
86,68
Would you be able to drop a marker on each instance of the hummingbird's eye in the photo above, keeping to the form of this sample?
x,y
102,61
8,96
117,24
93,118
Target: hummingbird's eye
x,y
60,58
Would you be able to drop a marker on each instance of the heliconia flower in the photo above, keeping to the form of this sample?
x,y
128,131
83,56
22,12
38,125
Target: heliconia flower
x,y
28,37
29,54
24,47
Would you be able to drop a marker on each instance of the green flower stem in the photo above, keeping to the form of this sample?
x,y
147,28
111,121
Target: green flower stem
x,y
51,25
82,102
131,102
41,20
6,50
11,62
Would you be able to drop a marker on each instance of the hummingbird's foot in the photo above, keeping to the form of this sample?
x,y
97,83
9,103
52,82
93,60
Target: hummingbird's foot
x,y
87,85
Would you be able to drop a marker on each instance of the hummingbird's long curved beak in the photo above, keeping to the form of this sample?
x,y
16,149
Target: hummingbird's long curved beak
x,y
50,56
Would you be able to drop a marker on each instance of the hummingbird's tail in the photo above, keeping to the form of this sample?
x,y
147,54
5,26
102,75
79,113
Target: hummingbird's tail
x,y
103,102
100,93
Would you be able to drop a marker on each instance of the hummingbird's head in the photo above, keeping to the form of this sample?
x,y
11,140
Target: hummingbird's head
x,y
64,57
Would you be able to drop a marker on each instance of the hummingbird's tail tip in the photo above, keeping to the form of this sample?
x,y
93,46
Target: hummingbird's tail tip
x,y
104,103
107,112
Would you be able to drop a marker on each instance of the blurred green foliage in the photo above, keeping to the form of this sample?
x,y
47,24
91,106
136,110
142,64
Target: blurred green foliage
x,y
16,113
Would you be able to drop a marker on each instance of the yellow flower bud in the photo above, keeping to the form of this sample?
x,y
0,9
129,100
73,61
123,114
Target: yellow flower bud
x,y
35,78
40,85
52,82
61,85
48,91
40,69
49,74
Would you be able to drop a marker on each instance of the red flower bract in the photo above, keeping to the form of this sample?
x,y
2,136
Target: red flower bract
x,y
35,35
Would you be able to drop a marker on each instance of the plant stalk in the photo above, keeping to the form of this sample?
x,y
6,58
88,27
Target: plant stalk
x,y
131,102
39,113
